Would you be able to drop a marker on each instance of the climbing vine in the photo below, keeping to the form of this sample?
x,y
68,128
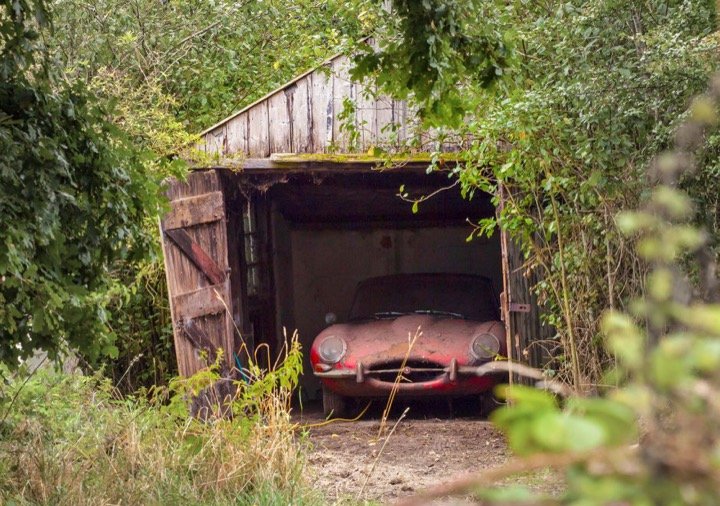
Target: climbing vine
x,y
584,95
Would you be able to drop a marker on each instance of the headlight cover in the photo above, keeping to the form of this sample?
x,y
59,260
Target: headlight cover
x,y
484,346
332,349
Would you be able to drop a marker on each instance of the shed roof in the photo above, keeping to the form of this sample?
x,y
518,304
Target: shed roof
x,y
320,111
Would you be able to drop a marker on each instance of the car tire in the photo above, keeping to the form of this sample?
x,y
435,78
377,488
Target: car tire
x,y
334,404
488,404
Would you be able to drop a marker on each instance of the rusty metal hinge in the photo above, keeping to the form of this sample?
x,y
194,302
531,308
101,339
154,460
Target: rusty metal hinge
x,y
516,307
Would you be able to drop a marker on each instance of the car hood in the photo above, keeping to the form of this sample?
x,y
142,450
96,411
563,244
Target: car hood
x,y
440,339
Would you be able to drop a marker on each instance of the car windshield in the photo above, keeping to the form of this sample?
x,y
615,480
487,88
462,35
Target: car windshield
x,y
452,295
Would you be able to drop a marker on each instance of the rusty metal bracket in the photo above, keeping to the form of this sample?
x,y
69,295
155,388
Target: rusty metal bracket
x,y
197,255
516,307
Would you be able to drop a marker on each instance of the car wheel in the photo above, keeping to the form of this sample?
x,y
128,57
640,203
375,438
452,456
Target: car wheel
x,y
488,404
334,404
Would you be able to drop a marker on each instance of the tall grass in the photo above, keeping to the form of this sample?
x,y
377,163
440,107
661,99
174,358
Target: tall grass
x,y
71,439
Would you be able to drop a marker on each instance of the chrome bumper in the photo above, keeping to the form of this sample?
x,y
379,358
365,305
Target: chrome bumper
x,y
361,373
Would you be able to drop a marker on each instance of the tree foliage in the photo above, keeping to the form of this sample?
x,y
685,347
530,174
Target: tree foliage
x,y
207,59
432,50
169,70
590,92
73,197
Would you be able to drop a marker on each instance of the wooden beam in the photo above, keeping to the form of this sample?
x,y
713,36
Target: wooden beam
x,y
295,163
199,338
192,211
203,302
201,342
197,255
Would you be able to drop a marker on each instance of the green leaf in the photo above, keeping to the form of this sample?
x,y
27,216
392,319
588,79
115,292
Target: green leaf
x,y
560,432
617,419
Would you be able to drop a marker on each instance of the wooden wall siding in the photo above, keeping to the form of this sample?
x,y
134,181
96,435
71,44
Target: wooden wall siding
x,y
258,131
237,135
198,220
299,100
321,110
304,117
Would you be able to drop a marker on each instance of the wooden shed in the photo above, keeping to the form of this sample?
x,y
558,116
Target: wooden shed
x,y
296,210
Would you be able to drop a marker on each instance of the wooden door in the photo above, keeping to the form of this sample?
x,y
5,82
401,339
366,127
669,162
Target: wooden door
x,y
203,264
525,329
520,308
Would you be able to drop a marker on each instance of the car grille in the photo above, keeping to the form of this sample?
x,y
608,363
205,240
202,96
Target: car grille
x,y
415,371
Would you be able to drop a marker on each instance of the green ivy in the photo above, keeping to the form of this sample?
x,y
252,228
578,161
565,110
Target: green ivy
x,y
74,195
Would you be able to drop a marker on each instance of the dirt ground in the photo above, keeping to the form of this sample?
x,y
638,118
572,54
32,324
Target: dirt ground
x,y
427,448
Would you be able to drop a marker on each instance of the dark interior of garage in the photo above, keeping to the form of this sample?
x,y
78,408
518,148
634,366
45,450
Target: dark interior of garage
x,y
310,238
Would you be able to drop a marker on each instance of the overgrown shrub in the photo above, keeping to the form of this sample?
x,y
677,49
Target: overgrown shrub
x,y
72,439
583,96
655,439
597,93
74,197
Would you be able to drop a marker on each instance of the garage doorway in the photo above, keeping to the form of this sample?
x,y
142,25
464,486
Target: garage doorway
x,y
310,238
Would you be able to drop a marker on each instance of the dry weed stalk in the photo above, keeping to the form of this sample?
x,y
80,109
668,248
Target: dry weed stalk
x,y
412,339
97,447
380,452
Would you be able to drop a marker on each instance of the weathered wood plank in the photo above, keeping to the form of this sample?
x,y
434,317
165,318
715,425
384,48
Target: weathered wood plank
x,y
199,338
201,302
197,255
301,117
237,135
366,117
202,342
322,114
279,126
215,141
343,88
385,123
258,133
529,336
237,325
197,183
192,211
280,164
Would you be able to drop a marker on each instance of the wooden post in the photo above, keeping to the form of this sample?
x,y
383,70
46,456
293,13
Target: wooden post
x,y
505,296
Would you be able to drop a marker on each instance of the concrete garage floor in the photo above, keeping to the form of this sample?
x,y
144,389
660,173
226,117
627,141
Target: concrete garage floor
x,y
428,448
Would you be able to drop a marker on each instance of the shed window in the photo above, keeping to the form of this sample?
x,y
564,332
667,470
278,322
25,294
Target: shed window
x,y
253,256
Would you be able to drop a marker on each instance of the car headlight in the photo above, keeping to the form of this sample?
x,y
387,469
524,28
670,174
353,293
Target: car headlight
x,y
332,349
484,346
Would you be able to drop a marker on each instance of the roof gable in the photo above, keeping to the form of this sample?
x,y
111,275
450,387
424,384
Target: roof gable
x,y
320,111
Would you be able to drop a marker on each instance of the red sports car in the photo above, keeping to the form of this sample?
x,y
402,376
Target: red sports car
x,y
458,316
